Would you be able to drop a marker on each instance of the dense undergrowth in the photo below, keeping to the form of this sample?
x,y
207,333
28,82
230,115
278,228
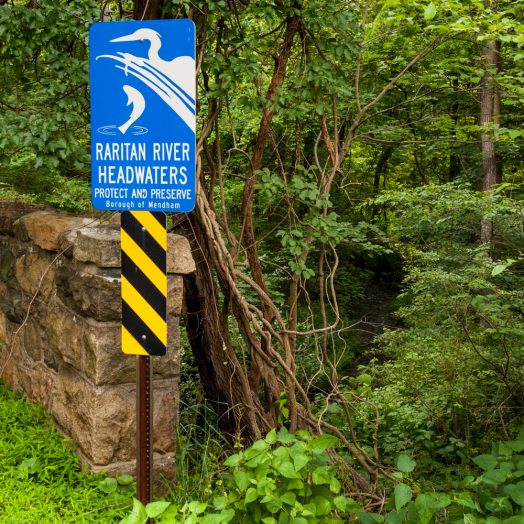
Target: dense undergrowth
x,y
40,477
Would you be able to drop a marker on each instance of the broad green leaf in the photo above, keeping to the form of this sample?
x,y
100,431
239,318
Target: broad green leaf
x,y
284,437
125,480
286,469
289,498
233,460
108,485
213,518
370,518
154,509
300,460
323,442
486,462
405,463
403,494
430,11
322,504
220,502
465,500
396,517
322,475
251,495
271,437
499,268
516,492
197,507
138,514
334,485
340,503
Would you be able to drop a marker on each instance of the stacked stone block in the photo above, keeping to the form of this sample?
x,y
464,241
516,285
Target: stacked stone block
x,y
60,313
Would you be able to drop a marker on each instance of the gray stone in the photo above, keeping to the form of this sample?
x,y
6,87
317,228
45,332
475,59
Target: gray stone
x,y
4,332
46,228
105,363
15,304
7,263
103,418
100,419
37,383
98,245
34,338
175,294
65,331
35,273
179,257
91,291
11,211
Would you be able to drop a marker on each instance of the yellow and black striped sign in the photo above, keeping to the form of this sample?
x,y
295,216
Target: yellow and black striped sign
x,y
143,240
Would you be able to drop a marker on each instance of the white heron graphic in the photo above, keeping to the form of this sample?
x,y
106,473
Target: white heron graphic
x,y
173,81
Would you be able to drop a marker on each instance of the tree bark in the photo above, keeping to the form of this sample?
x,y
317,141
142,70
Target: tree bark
x,y
221,374
489,118
147,9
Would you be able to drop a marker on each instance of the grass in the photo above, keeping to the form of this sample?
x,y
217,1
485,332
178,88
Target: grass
x,y
40,476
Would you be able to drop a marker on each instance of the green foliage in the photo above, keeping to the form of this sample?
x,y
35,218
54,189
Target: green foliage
x,y
281,479
40,475
494,496
452,379
43,85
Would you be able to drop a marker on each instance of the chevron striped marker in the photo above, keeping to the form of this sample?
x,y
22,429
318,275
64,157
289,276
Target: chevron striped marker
x,y
143,241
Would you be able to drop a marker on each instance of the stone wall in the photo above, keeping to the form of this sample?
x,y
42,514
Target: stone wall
x,y
60,312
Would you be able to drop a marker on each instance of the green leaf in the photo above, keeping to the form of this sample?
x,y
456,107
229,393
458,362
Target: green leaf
x,y
154,509
396,517
516,492
405,463
300,460
241,480
465,500
334,485
108,485
138,514
322,475
499,268
430,11
251,495
323,442
213,518
289,498
125,480
287,470
486,462
220,502
271,437
284,437
340,503
370,518
197,507
403,494
322,504
233,460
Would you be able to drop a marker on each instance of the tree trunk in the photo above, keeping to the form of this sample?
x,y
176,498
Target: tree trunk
x,y
147,9
489,118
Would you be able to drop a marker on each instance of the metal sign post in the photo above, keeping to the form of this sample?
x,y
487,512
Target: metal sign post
x,y
143,118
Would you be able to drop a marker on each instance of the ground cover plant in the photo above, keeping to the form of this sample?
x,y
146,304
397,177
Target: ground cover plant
x,y
40,477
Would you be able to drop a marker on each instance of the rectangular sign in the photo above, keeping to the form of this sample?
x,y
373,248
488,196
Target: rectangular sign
x,y
143,115
143,240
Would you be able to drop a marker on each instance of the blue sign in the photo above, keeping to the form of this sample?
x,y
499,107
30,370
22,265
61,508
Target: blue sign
x,y
143,115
